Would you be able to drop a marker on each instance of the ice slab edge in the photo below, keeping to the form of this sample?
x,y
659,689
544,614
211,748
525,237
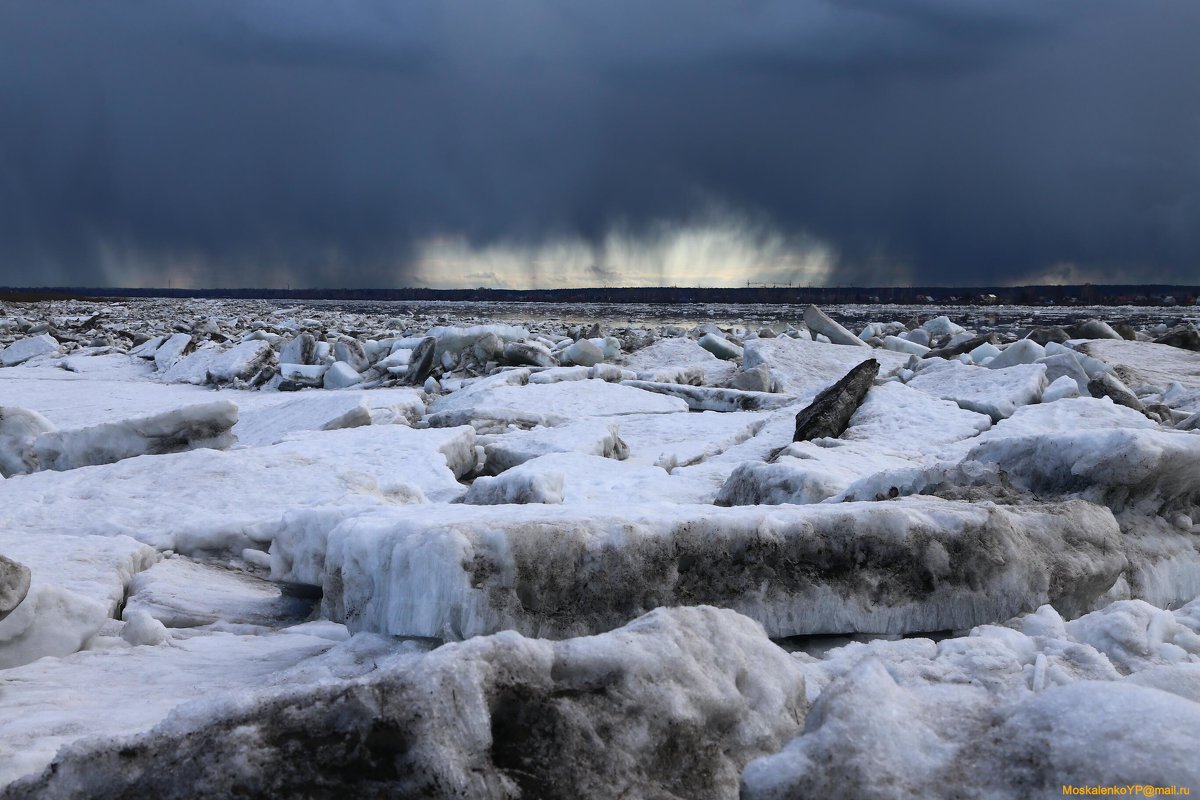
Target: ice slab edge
x,y
529,718
915,564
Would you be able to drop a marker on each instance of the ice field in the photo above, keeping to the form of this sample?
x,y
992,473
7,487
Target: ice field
x,y
444,550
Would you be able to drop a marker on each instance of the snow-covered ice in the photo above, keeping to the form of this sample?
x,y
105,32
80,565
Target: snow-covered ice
x,y
182,593
25,349
804,472
494,407
206,425
898,418
121,690
76,584
270,424
171,350
995,392
562,570
679,360
679,440
804,368
1013,711
595,436
987,585
527,715
709,398
583,478
895,427
1146,362
213,500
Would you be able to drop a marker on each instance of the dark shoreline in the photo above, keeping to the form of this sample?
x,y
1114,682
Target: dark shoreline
x,y
1115,294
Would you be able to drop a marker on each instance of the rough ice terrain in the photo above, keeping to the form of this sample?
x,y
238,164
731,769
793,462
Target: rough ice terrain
x,y
447,550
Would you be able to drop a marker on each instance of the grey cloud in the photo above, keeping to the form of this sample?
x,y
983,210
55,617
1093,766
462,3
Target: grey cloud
x,y
316,143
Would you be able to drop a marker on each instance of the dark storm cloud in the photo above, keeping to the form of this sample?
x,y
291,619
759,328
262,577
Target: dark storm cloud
x,y
264,142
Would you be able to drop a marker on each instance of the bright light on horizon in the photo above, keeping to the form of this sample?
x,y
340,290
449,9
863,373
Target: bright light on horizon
x,y
726,252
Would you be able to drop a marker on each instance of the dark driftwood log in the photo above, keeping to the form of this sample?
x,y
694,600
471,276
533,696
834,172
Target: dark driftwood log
x,y
830,412
421,363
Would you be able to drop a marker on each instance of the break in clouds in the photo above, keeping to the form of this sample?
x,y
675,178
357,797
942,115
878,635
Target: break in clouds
x,y
268,143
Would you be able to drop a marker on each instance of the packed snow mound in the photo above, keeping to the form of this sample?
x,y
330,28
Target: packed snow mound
x,y
1135,636
710,398
652,709
143,630
29,348
581,478
171,350
116,689
1153,470
995,392
519,485
916,564
806,472
775,429
456,339
500,405
893,718
952,462
181,593
872,737
266,425
242,362
895,429
19,429
676,440
208,500
558,374
1032,652
596,437
1147,363
898,418
120,390
679,360
199,426
193,367
803,368
76,585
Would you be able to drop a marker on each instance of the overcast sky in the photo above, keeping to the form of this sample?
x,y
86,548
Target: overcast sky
x,y
370,143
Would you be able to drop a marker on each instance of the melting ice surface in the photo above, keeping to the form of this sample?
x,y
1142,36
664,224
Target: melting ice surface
x,y
454,550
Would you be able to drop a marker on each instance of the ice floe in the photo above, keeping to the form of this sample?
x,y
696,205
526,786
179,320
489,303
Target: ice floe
x,y
981,581
561,570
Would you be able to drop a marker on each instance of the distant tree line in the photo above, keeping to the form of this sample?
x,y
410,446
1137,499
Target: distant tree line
x,y
1087,294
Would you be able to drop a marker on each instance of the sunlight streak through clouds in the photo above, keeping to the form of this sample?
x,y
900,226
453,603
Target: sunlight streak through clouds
x,y
728,252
